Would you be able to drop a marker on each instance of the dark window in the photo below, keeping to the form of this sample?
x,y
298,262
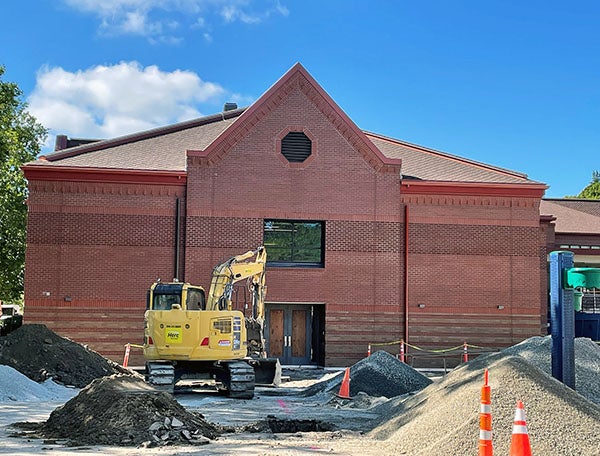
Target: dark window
x,y
165,302
294,243
195,299
296,147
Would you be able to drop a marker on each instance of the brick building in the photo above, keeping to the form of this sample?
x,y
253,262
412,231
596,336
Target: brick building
x,y
576,228
370,239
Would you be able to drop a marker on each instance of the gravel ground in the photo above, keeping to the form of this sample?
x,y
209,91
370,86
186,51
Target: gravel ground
x,y
538,351
443,418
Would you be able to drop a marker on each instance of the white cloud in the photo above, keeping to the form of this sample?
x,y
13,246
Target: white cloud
x,y
108,101
236,11
158,20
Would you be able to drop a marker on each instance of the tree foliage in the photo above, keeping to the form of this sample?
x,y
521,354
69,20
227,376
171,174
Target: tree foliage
x,y
592,191
21,138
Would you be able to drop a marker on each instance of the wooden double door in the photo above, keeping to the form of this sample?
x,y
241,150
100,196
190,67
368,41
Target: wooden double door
x,y
290,329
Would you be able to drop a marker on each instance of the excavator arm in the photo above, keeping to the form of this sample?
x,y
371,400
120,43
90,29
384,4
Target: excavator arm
x,y
235,269
250,266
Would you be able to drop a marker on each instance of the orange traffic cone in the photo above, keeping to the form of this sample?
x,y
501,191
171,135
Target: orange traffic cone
x,y
485,419
345,387
519,445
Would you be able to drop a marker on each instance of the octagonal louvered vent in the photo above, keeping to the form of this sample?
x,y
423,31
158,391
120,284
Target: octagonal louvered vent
x,y
296,147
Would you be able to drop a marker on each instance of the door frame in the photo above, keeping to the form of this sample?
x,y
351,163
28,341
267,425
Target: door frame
x,y
315,330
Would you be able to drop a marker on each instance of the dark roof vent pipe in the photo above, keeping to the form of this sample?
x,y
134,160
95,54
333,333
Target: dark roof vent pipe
x,y
229,107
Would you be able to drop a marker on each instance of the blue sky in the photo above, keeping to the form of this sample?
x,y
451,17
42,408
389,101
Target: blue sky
x,y
515,84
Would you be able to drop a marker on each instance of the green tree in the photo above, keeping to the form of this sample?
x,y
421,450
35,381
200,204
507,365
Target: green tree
x,y
592,191
21,138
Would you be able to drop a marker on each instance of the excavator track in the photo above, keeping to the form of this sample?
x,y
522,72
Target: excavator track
x,y
239,380
161,376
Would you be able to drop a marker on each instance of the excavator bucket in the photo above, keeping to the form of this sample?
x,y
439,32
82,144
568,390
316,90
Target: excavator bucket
x,y
267,371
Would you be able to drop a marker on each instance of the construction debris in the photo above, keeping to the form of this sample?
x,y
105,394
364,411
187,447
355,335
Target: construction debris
x,y
39,353
276,425
124,411
380,374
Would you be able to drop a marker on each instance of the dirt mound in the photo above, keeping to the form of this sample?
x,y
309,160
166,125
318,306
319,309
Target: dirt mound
x,y
39,353
123,410
443,418
380,374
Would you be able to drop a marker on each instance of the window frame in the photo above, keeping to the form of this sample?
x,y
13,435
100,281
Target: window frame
x,y
297,264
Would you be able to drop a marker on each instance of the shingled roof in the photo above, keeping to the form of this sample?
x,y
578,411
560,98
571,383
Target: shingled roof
x,y
574,216
166,148
422,163
161,148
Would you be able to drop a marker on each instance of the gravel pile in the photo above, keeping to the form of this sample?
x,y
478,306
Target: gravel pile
x,y
380,374
443,419
39,353
538,351
15,386
124,411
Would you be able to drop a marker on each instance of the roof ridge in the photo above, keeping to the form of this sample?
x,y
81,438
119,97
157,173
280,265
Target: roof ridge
x,y
139,136
578,200
448,155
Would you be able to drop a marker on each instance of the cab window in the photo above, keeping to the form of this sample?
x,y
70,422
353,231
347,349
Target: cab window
x,y
165,302
195,299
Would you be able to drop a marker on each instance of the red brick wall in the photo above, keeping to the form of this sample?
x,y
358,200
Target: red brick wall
x,y
229,199
92,251
467,256
96,247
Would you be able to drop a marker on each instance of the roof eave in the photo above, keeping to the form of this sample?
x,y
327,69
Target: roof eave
x,y
525,189
105,175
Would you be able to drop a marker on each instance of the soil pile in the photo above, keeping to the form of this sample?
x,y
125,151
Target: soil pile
x,y
39,353
123,410
443,418
380,374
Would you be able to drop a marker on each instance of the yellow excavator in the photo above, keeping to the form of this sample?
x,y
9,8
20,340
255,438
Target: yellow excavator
x,y
190,336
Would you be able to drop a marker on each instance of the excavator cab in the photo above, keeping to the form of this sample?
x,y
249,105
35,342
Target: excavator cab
x,y
166,295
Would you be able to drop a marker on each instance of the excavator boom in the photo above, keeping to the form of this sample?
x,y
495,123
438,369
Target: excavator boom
x,y
237,268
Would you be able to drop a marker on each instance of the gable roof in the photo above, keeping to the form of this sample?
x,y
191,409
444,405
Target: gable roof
x,y
297,78
573,215
166,148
